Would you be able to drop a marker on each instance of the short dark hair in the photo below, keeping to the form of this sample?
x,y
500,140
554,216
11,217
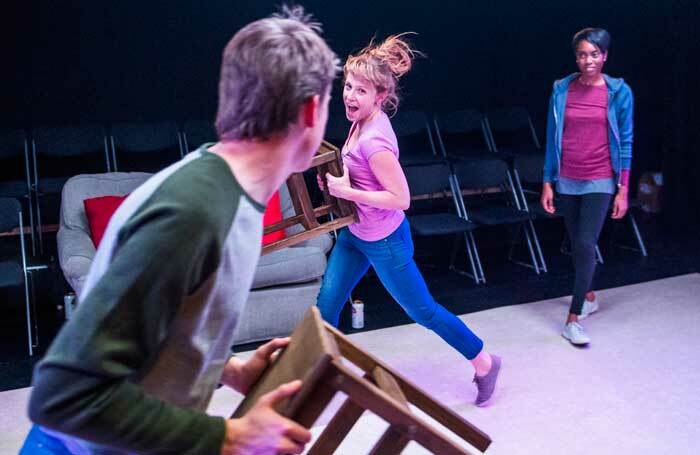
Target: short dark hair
x,y
269,69
598,37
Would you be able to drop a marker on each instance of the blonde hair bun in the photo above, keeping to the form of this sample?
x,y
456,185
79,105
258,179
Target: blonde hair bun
x,y
383,64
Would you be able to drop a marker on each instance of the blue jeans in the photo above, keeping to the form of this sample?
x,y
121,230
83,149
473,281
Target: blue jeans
x,y
40,442
392,259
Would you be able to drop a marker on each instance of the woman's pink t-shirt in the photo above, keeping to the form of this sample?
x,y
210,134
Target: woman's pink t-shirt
x,y
377,136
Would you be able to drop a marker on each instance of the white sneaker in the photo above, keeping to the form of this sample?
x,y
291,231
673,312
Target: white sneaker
x,y
575,334
589,308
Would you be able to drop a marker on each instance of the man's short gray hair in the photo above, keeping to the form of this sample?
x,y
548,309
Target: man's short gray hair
x,y
269,69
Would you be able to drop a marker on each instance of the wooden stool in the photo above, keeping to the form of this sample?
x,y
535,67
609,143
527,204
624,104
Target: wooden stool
x,y
327,159
315,354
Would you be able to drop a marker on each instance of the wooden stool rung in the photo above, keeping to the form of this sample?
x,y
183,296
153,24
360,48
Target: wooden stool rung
x,y
327,160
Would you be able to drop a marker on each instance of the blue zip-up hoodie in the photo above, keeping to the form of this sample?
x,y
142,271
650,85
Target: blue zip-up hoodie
x,y
620,125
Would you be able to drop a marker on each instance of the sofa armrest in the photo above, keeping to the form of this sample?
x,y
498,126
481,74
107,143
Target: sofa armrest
x,y
75,254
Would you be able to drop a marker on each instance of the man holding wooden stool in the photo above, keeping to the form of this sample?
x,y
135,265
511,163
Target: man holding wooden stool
x,y
135,367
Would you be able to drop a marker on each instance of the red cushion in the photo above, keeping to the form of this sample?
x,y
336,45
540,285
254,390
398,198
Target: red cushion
x,y
272,215
99,210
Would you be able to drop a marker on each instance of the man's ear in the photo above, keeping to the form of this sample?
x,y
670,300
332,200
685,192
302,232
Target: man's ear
x,y
309,111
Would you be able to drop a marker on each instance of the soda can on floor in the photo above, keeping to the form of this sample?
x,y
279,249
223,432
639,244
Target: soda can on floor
x,y
358,314
69,304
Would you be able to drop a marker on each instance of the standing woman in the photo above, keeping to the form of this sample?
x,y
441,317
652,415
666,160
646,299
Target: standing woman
x,y
587,161
374,180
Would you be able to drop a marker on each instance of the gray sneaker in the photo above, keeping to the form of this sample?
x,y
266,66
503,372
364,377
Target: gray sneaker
x,y
575,334
486,384
589,308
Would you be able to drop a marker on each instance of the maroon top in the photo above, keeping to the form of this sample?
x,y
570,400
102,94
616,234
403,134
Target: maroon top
x,y
585,143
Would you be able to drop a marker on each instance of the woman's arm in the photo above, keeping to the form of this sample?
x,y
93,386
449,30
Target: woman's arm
x,y
387,169
550,163
625,122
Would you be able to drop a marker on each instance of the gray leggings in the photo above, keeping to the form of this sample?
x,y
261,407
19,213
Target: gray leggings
x,y
584,216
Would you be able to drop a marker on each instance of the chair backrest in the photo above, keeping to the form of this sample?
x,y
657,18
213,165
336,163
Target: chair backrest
x,y
426,179
196,133
530,167
10,208
145,147
145,137
479,172
462,133
69,140
63,151
12,143
407,123
512,129
414,138
14,159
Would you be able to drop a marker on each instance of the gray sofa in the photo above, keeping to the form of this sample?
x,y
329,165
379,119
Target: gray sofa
x,y
285,285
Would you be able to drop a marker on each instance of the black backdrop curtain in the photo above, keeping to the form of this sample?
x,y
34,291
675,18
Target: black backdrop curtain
x,y
681,144
100,61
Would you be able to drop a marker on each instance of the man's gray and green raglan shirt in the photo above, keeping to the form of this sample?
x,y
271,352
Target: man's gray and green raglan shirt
x,y
136,366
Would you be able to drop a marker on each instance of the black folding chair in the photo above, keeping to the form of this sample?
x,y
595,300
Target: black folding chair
x,y
58,153
13,262
416,145
461,133
432,182
494,202
528,172
145,147
641,246
511,131
15,174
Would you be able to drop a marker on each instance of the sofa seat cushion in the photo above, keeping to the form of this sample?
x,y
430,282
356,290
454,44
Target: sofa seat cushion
x,y
296,264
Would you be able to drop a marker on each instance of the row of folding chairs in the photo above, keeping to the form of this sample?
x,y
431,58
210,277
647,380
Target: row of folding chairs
x,y
450,157
35,164
467,153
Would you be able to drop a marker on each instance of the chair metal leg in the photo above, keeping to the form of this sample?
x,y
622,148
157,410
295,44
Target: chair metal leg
x,y
543,264
532,251
30,192
478,258
32,225
478,278
598,255
534,264
30,337
638,234
453,258
521,192
35,188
